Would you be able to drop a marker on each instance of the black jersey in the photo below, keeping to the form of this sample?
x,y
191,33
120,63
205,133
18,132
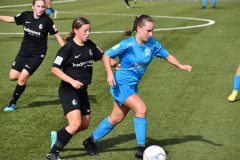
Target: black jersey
x,y
77,61
35,32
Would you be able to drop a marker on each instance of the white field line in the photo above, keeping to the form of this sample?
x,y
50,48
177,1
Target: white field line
x,y
208,22
23,5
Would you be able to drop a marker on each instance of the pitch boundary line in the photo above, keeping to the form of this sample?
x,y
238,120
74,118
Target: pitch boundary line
x,y
23,5
209,22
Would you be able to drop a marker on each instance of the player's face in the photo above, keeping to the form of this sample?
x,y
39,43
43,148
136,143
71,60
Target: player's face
x,y
83,32
39,8
145,32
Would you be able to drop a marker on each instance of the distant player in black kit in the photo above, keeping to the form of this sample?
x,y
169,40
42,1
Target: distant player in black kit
x,y
74,65
36,25
127,3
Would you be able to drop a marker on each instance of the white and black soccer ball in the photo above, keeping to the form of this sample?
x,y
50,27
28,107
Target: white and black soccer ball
x,y
154,152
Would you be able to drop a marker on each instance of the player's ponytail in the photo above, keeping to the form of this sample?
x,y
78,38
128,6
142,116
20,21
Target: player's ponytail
x,y
77,23
69,36
139,21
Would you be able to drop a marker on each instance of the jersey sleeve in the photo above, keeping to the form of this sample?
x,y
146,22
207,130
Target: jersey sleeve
x,y
61,57
19,18
117,49
160,52
97,53
52,28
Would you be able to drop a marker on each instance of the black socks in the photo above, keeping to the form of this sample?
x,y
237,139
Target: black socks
x,y
17,93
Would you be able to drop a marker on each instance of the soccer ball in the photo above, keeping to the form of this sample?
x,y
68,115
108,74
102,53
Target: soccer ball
x,y
154,152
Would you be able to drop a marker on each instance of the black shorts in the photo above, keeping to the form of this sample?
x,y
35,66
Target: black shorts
x,y
72,99
30,63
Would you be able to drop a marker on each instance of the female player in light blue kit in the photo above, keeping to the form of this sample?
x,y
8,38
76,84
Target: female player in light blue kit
x,y
236,84
135,54
214,3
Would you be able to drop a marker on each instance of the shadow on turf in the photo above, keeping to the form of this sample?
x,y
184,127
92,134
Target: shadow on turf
x,y
179,140
107,144
92,98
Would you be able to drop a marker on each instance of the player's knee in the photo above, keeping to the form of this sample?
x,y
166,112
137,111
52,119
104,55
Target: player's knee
x,y
75,126
13,78
141,111
115,120
22,81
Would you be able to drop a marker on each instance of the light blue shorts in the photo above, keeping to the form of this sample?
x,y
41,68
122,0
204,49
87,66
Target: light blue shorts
x,y
122,92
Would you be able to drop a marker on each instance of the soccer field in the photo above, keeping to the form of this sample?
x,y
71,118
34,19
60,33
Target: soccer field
x,y
188,113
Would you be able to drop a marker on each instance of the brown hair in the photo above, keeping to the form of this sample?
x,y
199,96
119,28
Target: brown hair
x,y
34,1
77,23
139,21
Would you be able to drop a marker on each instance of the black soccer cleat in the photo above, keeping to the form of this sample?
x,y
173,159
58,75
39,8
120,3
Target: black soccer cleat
x,y
90,146
52,156
139,153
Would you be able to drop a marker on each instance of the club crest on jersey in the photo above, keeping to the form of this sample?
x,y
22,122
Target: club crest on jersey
x,y
40,26
90,52
74,102
147,51
54,27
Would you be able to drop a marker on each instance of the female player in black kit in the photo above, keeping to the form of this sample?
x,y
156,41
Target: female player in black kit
x,y
73,65
36,25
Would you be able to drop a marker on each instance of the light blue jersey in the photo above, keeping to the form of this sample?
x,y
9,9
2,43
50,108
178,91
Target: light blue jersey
x,y
134,59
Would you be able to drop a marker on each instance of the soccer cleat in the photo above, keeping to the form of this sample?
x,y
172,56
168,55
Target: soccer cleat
x,y
233,96
90,146
52,156
53,137
10,108
139,153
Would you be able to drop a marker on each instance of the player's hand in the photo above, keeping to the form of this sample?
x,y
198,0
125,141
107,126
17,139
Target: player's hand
x,y
111,80
76,84
186,68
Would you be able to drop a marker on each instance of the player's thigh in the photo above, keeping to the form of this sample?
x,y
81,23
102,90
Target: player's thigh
x,y
23,77
238,70
74,118
118,113
13,74
135,103
74,121
17,67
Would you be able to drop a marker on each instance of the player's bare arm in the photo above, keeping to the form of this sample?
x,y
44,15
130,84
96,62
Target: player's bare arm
x,y
7,19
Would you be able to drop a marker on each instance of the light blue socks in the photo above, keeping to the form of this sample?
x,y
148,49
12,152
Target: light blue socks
x,y
102,130
140,126
236,82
